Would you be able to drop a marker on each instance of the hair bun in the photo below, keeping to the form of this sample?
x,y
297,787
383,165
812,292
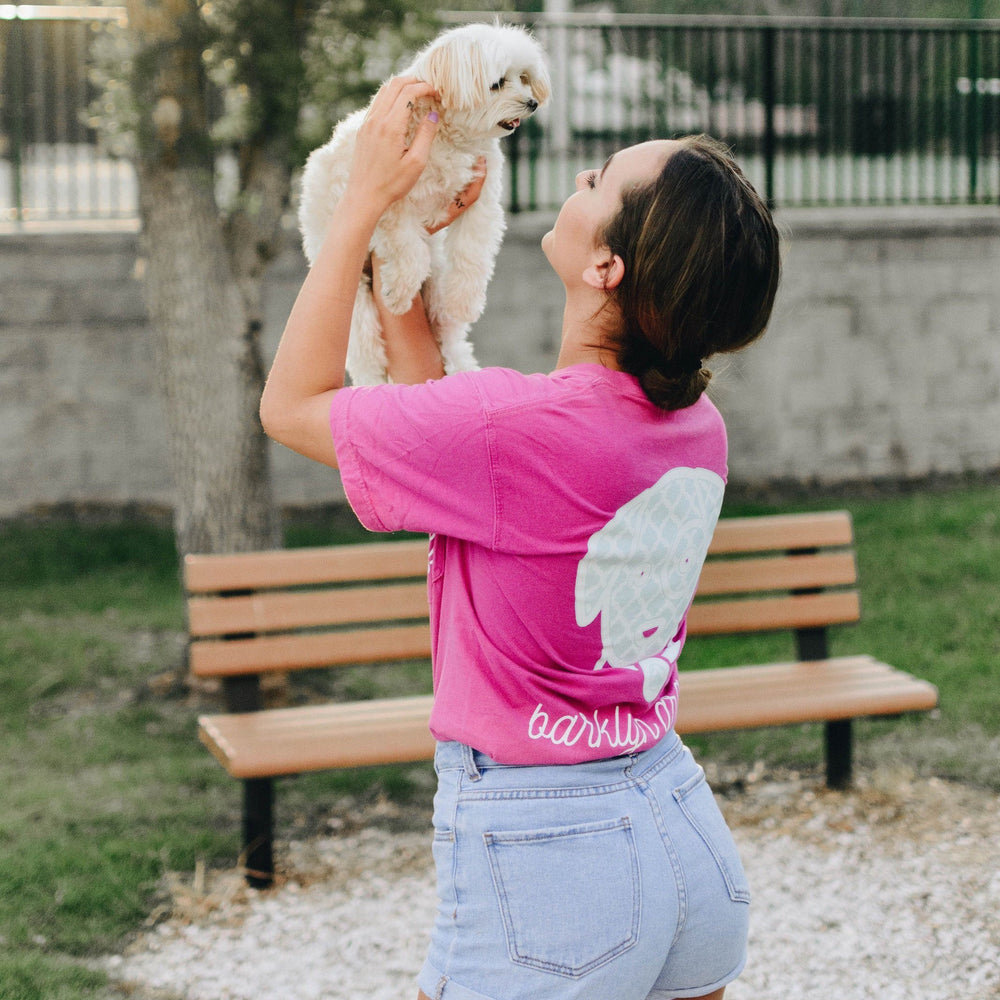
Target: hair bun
x,y
684,364
670,388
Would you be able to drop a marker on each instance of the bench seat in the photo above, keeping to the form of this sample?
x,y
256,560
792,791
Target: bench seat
x,y
293,740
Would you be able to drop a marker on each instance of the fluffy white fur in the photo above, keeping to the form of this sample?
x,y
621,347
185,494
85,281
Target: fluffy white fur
x,y
489,77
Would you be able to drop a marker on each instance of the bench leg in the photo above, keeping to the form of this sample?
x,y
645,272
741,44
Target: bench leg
x,y
839,753
258,831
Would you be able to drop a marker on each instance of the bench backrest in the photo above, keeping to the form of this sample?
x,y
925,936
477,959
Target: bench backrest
x,y
261,612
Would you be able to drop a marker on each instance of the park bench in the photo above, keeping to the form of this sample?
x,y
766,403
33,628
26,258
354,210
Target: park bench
x,y
260,613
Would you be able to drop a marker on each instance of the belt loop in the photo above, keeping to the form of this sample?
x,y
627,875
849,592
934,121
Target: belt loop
x,y
469,760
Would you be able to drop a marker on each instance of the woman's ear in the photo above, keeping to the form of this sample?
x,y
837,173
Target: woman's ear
x,y
607,274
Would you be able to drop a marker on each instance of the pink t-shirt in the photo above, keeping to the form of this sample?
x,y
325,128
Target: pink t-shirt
x,y
569,519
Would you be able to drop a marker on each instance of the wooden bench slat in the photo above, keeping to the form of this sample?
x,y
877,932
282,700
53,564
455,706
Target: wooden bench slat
x,y
781,532
777,681
273,743
364,561
261,654
277,611
879,690
286,741
282,653
268,612
773,613
293,567
734,576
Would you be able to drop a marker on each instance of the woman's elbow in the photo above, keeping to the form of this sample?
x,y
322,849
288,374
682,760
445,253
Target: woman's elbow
x,y
303,427
274,415
267,413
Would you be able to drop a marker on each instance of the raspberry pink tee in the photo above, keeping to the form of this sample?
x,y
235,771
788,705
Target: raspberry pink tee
x,y
569,520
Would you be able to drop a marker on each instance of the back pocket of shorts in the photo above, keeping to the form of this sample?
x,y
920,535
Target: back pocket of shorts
x,y
698,804
569,896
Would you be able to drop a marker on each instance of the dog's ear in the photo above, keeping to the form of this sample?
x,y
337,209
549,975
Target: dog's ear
x,y
457,70
540,86
538,70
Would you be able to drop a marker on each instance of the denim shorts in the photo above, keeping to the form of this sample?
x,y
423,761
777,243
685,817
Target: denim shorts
x,y
612,879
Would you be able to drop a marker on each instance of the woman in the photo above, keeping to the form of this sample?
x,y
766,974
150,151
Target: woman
x,y
579,851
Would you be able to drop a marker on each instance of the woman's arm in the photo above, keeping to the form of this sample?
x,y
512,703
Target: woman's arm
x,y
309,366
412,353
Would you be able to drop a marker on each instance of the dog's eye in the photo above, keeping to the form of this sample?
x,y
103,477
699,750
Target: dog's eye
x,y
525,79
499,84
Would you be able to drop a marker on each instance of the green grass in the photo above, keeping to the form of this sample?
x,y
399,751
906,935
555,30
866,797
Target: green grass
x,y
106,788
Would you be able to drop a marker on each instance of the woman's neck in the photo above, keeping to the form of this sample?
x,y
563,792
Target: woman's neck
x,y
588,333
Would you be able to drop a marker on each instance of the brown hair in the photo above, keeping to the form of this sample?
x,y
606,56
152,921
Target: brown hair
x,y
701,259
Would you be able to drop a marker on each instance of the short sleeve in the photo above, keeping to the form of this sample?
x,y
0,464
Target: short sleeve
x,y
418,457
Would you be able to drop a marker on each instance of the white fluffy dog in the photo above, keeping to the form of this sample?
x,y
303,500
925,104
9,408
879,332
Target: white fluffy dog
x,y
489,77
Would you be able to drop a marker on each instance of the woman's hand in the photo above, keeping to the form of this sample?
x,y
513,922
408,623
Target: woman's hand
x,y
384,168
465,198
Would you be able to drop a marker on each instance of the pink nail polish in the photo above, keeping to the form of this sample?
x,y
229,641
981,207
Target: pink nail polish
x,y
433,116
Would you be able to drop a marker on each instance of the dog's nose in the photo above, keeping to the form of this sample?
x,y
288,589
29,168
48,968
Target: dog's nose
x,y
531,104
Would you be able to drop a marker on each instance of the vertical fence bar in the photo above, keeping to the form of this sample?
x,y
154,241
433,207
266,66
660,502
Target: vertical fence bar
x,y
513,163
17,114
922,135
974,113
862,153
810,138
768,55
848,99
41,163
831,117
57,117
933,121
947,115
960,140
878,137
991,118
794,125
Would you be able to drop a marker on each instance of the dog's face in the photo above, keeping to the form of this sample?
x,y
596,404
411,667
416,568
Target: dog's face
x,y
490,77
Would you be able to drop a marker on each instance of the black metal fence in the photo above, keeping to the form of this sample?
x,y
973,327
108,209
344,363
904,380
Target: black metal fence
x,y
820,111
52,163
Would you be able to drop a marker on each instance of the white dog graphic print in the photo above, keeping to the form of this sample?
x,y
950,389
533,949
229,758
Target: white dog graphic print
x,y
641,570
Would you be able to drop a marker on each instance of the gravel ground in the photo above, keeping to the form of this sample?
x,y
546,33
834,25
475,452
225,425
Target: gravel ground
x,y
891,890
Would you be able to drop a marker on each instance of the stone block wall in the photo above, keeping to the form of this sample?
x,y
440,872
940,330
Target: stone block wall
x,y
883,357
882,360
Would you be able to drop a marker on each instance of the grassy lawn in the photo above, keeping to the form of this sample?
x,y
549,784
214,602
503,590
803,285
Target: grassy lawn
x,y
106,788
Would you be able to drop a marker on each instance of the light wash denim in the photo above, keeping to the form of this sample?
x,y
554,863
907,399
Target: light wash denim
x,y
611,880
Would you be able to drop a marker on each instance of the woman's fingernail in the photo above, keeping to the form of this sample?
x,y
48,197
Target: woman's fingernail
x,y
433,116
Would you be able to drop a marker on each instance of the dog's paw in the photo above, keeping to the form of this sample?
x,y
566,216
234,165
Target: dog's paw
x,y
405,266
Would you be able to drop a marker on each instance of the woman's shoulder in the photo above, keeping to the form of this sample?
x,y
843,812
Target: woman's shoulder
x,y
498,388
505,386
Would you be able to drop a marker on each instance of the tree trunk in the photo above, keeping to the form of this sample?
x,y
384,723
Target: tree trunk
x,y
207,322
204,278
